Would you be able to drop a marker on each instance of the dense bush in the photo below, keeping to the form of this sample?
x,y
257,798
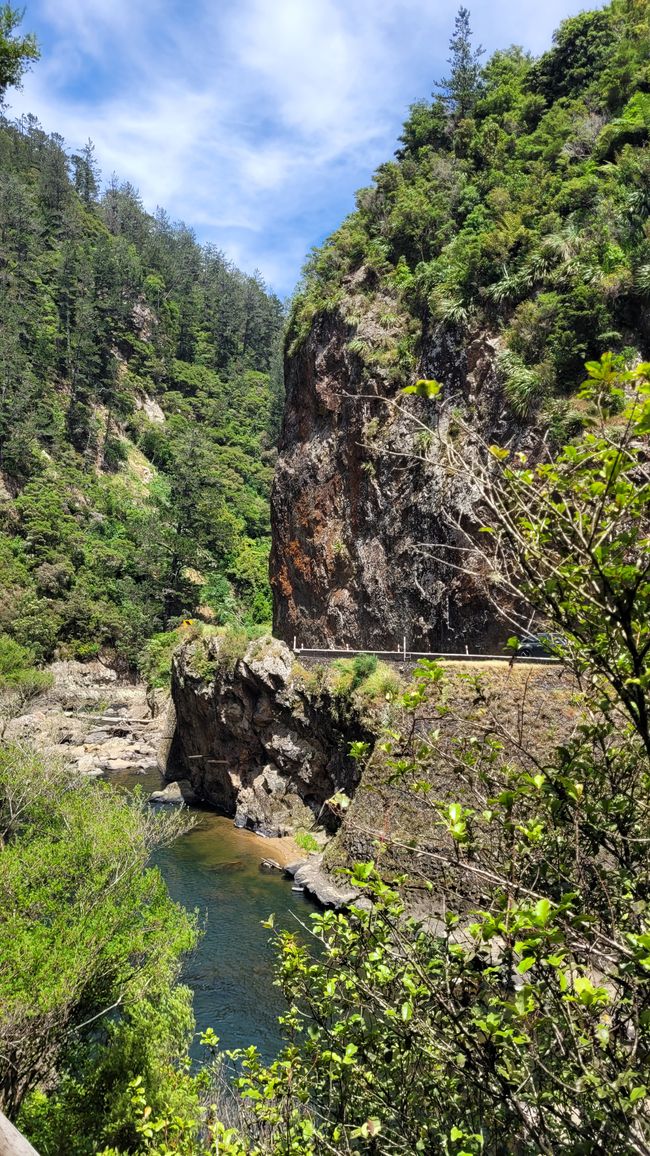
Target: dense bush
x,y
90,943
523,215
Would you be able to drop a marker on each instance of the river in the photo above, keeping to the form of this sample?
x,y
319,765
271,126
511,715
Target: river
x,y
215,870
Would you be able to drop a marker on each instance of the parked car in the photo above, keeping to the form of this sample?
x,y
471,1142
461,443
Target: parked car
x,y
545,645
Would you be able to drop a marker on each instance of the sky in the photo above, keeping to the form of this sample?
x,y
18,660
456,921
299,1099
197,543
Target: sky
x,y
253,121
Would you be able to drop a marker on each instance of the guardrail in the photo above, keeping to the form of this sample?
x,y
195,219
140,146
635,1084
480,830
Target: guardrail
x,y
404,655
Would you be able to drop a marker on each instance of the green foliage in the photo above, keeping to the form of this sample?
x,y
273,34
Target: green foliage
x,y
632,126
581,50
16,52
14,660
156,661
306,841
362,666
351,673
216,649
99,1106
372,681
522,385
20,680
381,684
140,405
90,943
516,204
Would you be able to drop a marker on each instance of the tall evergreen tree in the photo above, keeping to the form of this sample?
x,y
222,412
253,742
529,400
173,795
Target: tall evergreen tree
x,y
462,87
86,173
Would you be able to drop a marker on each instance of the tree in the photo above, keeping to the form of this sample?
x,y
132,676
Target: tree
x,y
86,173
462,87
570,536
16,53
187,528
88,931
582,46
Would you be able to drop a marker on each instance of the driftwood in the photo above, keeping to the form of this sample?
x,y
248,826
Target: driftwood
x,y
12,1143
110,719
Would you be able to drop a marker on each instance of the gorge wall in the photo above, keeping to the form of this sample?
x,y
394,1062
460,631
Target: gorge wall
x,y
502,247
258,740
365,514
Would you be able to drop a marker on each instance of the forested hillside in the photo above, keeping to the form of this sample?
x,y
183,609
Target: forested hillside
x,y
140,396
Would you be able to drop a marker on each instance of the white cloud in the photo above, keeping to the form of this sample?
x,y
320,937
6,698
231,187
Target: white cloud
x,y
89,27
253,121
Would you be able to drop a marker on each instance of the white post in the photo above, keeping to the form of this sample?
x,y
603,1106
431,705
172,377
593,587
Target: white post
x,y
404,647
294,645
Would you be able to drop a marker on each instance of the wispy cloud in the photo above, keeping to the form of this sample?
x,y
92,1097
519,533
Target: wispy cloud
x,y
253,121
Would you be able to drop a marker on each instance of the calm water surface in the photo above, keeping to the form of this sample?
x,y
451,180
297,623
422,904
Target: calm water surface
x,y
215,870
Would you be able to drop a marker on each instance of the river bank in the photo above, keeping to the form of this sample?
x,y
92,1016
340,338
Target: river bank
x,y
93,721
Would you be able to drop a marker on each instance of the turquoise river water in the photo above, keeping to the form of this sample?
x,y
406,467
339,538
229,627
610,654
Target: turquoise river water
x,y
215,870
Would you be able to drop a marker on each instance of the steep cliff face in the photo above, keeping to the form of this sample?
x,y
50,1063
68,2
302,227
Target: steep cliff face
x,y
363,502
255,742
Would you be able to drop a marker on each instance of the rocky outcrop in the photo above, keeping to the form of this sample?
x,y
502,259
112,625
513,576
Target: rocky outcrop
x,y
362,491
329,890
256,742
93,721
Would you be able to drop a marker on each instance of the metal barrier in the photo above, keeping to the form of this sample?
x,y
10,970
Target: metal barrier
x,y
404,656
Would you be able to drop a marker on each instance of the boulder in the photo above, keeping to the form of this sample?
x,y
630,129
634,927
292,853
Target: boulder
x,y
117,764
174,794
257,743
317,882
97,736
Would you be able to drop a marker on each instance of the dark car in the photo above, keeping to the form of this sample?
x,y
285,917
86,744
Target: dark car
x,y
545,645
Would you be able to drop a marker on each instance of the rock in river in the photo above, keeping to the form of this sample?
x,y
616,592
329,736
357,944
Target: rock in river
x,y
175,794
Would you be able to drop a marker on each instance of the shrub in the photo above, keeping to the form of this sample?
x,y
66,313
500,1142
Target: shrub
x,y
156,661
89,934
306,841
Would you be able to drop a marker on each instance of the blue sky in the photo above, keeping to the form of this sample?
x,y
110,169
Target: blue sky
x,y
256,121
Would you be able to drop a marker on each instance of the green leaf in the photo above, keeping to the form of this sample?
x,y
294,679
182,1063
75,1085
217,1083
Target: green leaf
x,y
526,964
424,388
499,453
542,911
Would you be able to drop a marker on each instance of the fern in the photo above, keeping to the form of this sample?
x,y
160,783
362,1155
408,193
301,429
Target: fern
x,y
522,385
642,280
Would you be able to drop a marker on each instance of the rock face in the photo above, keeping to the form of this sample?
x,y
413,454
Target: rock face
x,y
361,487
255,743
